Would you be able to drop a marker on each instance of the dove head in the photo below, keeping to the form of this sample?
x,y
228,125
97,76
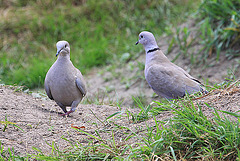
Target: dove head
x,y
63,48
147,39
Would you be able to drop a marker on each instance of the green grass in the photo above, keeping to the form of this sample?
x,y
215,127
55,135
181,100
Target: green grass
x,y
103,32
99,33
192,135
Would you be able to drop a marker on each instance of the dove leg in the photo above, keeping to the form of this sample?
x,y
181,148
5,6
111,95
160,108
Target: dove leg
x,y
62,107
73,107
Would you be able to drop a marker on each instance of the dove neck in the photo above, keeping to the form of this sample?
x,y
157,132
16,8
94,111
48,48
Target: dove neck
x,y
150,46
152,50
64,57
156,57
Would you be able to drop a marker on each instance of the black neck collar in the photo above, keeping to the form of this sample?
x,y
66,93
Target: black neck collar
x,y
152,50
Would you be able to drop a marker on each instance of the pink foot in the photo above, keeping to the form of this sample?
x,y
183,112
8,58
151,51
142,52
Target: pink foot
x,y
67,113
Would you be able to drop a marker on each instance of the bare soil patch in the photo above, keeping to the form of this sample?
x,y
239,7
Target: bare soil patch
x,y
42,124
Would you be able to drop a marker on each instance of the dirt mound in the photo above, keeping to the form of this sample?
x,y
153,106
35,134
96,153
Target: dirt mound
x,y
41,124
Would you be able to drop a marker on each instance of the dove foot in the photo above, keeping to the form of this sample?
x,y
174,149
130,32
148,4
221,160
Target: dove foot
x,y
67,113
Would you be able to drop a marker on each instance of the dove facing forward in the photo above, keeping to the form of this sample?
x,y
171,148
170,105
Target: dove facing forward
x,y
64,83
165,78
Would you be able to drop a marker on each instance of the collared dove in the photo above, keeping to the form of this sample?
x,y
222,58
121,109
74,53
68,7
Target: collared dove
x,y
165,78
64,83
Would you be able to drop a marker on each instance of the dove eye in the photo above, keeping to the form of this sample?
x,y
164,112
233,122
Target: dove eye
x,y
141,36
65,46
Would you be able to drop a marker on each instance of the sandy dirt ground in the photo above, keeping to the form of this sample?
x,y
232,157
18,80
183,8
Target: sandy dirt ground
x,y
41,123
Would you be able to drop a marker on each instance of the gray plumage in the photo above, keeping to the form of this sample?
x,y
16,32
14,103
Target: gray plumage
x,y
165,78
64,83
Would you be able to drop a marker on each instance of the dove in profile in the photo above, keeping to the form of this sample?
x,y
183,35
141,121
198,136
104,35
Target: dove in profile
x,y
165,78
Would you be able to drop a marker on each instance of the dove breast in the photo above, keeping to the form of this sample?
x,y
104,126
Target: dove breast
x,y
61,79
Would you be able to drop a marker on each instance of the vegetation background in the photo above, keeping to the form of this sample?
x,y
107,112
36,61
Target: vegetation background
x,y
99,32
103,32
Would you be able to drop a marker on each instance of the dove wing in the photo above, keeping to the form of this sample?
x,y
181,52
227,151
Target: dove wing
x,y
48,91
169,82
81,83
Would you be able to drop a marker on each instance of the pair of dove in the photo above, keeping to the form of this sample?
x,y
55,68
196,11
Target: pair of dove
x,y
65,84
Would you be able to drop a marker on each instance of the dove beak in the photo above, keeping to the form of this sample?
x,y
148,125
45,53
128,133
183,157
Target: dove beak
x,y
137,42
58,52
